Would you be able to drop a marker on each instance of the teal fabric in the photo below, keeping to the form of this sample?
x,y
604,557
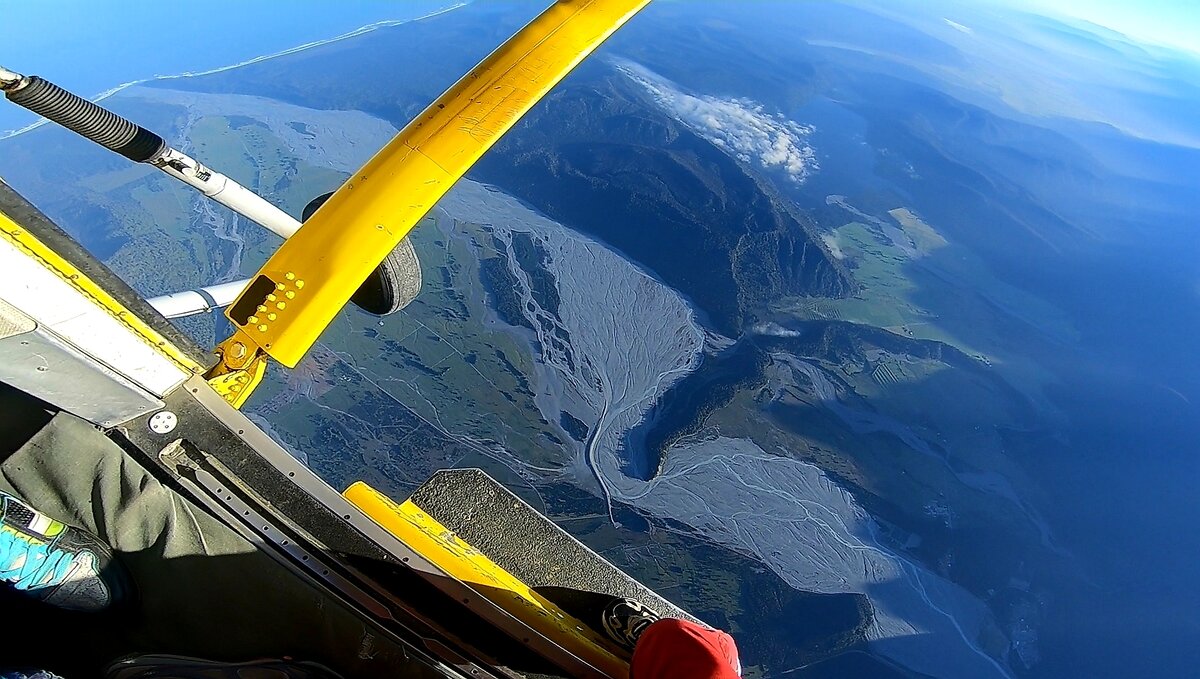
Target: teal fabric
x,y
29,564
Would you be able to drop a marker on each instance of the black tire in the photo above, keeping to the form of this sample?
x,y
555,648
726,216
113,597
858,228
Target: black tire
x,y
393,284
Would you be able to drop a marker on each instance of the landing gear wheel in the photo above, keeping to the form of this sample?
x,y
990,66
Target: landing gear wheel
x,y
393,284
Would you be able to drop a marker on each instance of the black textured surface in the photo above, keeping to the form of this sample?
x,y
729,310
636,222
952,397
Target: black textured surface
x,y
144,146
188,584
522,541
393,284
88,119
254,297
426,609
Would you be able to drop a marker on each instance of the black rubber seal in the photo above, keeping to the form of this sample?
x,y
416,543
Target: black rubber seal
x,y
88,119
144,146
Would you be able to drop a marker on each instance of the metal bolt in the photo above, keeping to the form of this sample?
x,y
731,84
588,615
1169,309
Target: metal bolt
x,y
238,350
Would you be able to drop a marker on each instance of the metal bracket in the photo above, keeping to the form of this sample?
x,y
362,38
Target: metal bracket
x,y
238,371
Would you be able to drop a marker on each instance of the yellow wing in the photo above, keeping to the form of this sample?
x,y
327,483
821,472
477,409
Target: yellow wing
x,y
310,278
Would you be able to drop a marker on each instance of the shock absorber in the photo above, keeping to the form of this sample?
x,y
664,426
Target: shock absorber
x,y
391,287
139,145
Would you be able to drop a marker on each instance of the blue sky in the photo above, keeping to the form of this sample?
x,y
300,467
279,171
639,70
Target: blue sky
x,y
89,47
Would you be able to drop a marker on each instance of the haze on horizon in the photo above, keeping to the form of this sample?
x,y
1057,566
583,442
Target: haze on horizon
x,y
1169,23
120,51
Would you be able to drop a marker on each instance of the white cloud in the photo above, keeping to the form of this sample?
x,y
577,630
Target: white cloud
x,y
958,27
738,126
774,330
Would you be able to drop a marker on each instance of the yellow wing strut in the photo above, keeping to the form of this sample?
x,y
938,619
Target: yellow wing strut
x,y
310,278
424,534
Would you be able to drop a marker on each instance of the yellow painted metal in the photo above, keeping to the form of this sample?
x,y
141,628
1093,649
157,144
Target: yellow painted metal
x,y
425,535
240,369
26,242
320,267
